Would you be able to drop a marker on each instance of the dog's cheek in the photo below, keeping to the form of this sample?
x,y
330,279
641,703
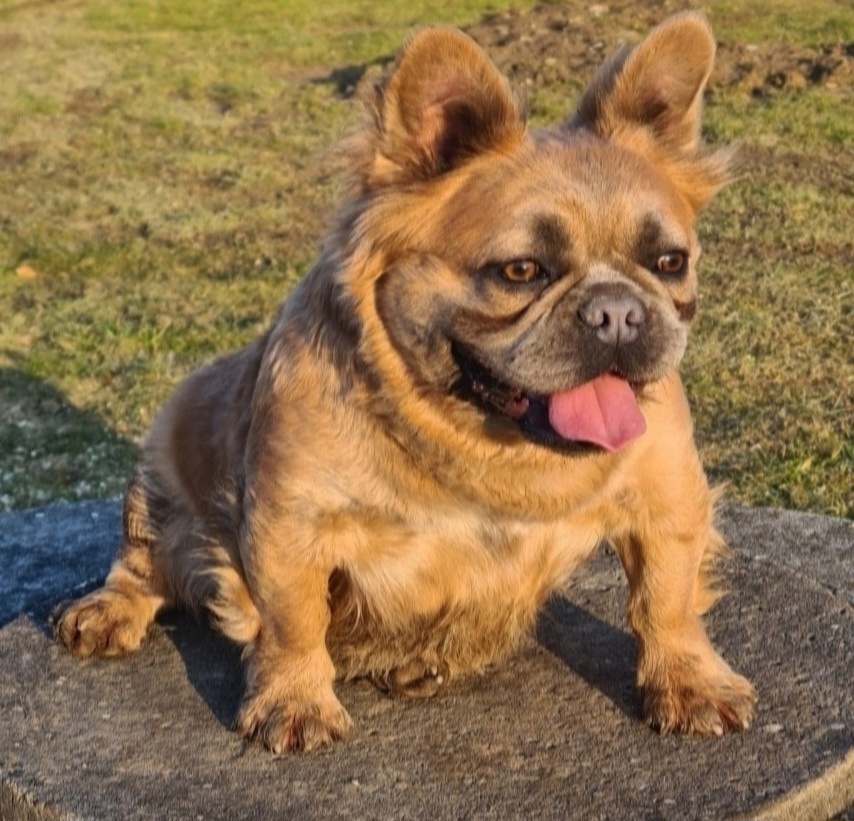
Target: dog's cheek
x,y
671,340
409,314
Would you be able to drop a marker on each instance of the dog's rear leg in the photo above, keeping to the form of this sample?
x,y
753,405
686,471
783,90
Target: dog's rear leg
x,y
416,679
115,619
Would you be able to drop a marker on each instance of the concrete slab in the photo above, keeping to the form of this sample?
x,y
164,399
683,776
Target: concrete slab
x,y
553,734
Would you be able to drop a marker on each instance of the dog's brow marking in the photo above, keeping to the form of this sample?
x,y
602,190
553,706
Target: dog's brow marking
x,y
651,240
552,242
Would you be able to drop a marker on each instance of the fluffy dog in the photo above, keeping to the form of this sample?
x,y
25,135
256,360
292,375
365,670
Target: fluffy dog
x,y
474,387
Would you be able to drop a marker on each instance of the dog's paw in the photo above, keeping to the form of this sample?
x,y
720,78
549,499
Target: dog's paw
x,y
700,707
104,623
293,725
414,680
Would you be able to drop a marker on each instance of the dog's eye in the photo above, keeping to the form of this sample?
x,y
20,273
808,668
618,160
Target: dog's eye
x,y
521,270
672,264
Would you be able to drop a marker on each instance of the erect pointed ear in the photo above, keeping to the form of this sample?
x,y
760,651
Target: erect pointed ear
x,y
658,86
443,103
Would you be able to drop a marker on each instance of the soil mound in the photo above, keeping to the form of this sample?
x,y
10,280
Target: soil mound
x,y
553,43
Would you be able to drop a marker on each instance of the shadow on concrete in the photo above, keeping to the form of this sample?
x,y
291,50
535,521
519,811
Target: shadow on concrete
x,y
212,663
601,654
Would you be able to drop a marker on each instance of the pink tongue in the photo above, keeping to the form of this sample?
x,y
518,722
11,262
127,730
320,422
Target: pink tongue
x,y
603,412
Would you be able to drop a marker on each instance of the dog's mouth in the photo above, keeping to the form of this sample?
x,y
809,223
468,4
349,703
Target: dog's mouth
x,y
601,413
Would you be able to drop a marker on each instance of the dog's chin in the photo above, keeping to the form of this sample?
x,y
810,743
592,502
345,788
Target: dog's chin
x,y
528,410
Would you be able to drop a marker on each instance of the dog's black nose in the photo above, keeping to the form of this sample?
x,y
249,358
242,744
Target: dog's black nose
x,y
616,319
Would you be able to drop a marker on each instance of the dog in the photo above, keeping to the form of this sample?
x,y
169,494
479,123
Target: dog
x,y
474,387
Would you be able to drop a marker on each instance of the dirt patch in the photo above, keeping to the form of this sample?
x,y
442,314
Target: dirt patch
x,y
765,68
564,44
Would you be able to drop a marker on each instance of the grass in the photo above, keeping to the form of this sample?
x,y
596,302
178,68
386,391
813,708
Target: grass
x,y
803,22
166,180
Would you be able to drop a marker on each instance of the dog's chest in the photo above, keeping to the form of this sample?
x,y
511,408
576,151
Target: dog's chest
x,y
453,557
453,588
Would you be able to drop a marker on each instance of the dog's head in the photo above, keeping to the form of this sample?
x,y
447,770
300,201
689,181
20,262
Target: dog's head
x,y
542,278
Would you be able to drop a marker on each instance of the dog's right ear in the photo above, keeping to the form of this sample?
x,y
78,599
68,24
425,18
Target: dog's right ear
x,y
650,98
443,103
658,86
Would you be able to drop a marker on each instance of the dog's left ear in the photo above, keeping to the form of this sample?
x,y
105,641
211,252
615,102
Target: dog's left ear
x,y
657,87
443,103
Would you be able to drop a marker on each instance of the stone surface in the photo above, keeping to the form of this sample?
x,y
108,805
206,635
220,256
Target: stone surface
x,y
553,733
54,553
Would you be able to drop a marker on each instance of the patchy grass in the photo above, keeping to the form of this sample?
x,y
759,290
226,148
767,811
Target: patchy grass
x,y
772,374
166,180
810,23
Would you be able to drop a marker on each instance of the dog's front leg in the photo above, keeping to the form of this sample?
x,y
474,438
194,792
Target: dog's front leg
x,y
289,703
686,686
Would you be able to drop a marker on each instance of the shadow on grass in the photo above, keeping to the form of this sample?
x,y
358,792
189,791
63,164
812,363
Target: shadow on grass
x,y
51,450
346,80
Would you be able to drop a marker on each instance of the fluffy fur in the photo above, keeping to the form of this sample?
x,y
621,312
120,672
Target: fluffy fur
x,y
347,498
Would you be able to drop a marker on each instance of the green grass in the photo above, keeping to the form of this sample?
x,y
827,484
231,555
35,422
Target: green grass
x,y
805,22
166,172
805,121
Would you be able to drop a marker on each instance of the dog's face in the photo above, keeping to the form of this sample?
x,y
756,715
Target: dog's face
x,y
544,278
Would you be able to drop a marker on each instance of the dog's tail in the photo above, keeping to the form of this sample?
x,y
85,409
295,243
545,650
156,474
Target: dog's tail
x,y
230,604
218,582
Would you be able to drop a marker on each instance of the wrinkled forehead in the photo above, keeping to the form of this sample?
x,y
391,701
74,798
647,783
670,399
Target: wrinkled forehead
x,y
578,192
